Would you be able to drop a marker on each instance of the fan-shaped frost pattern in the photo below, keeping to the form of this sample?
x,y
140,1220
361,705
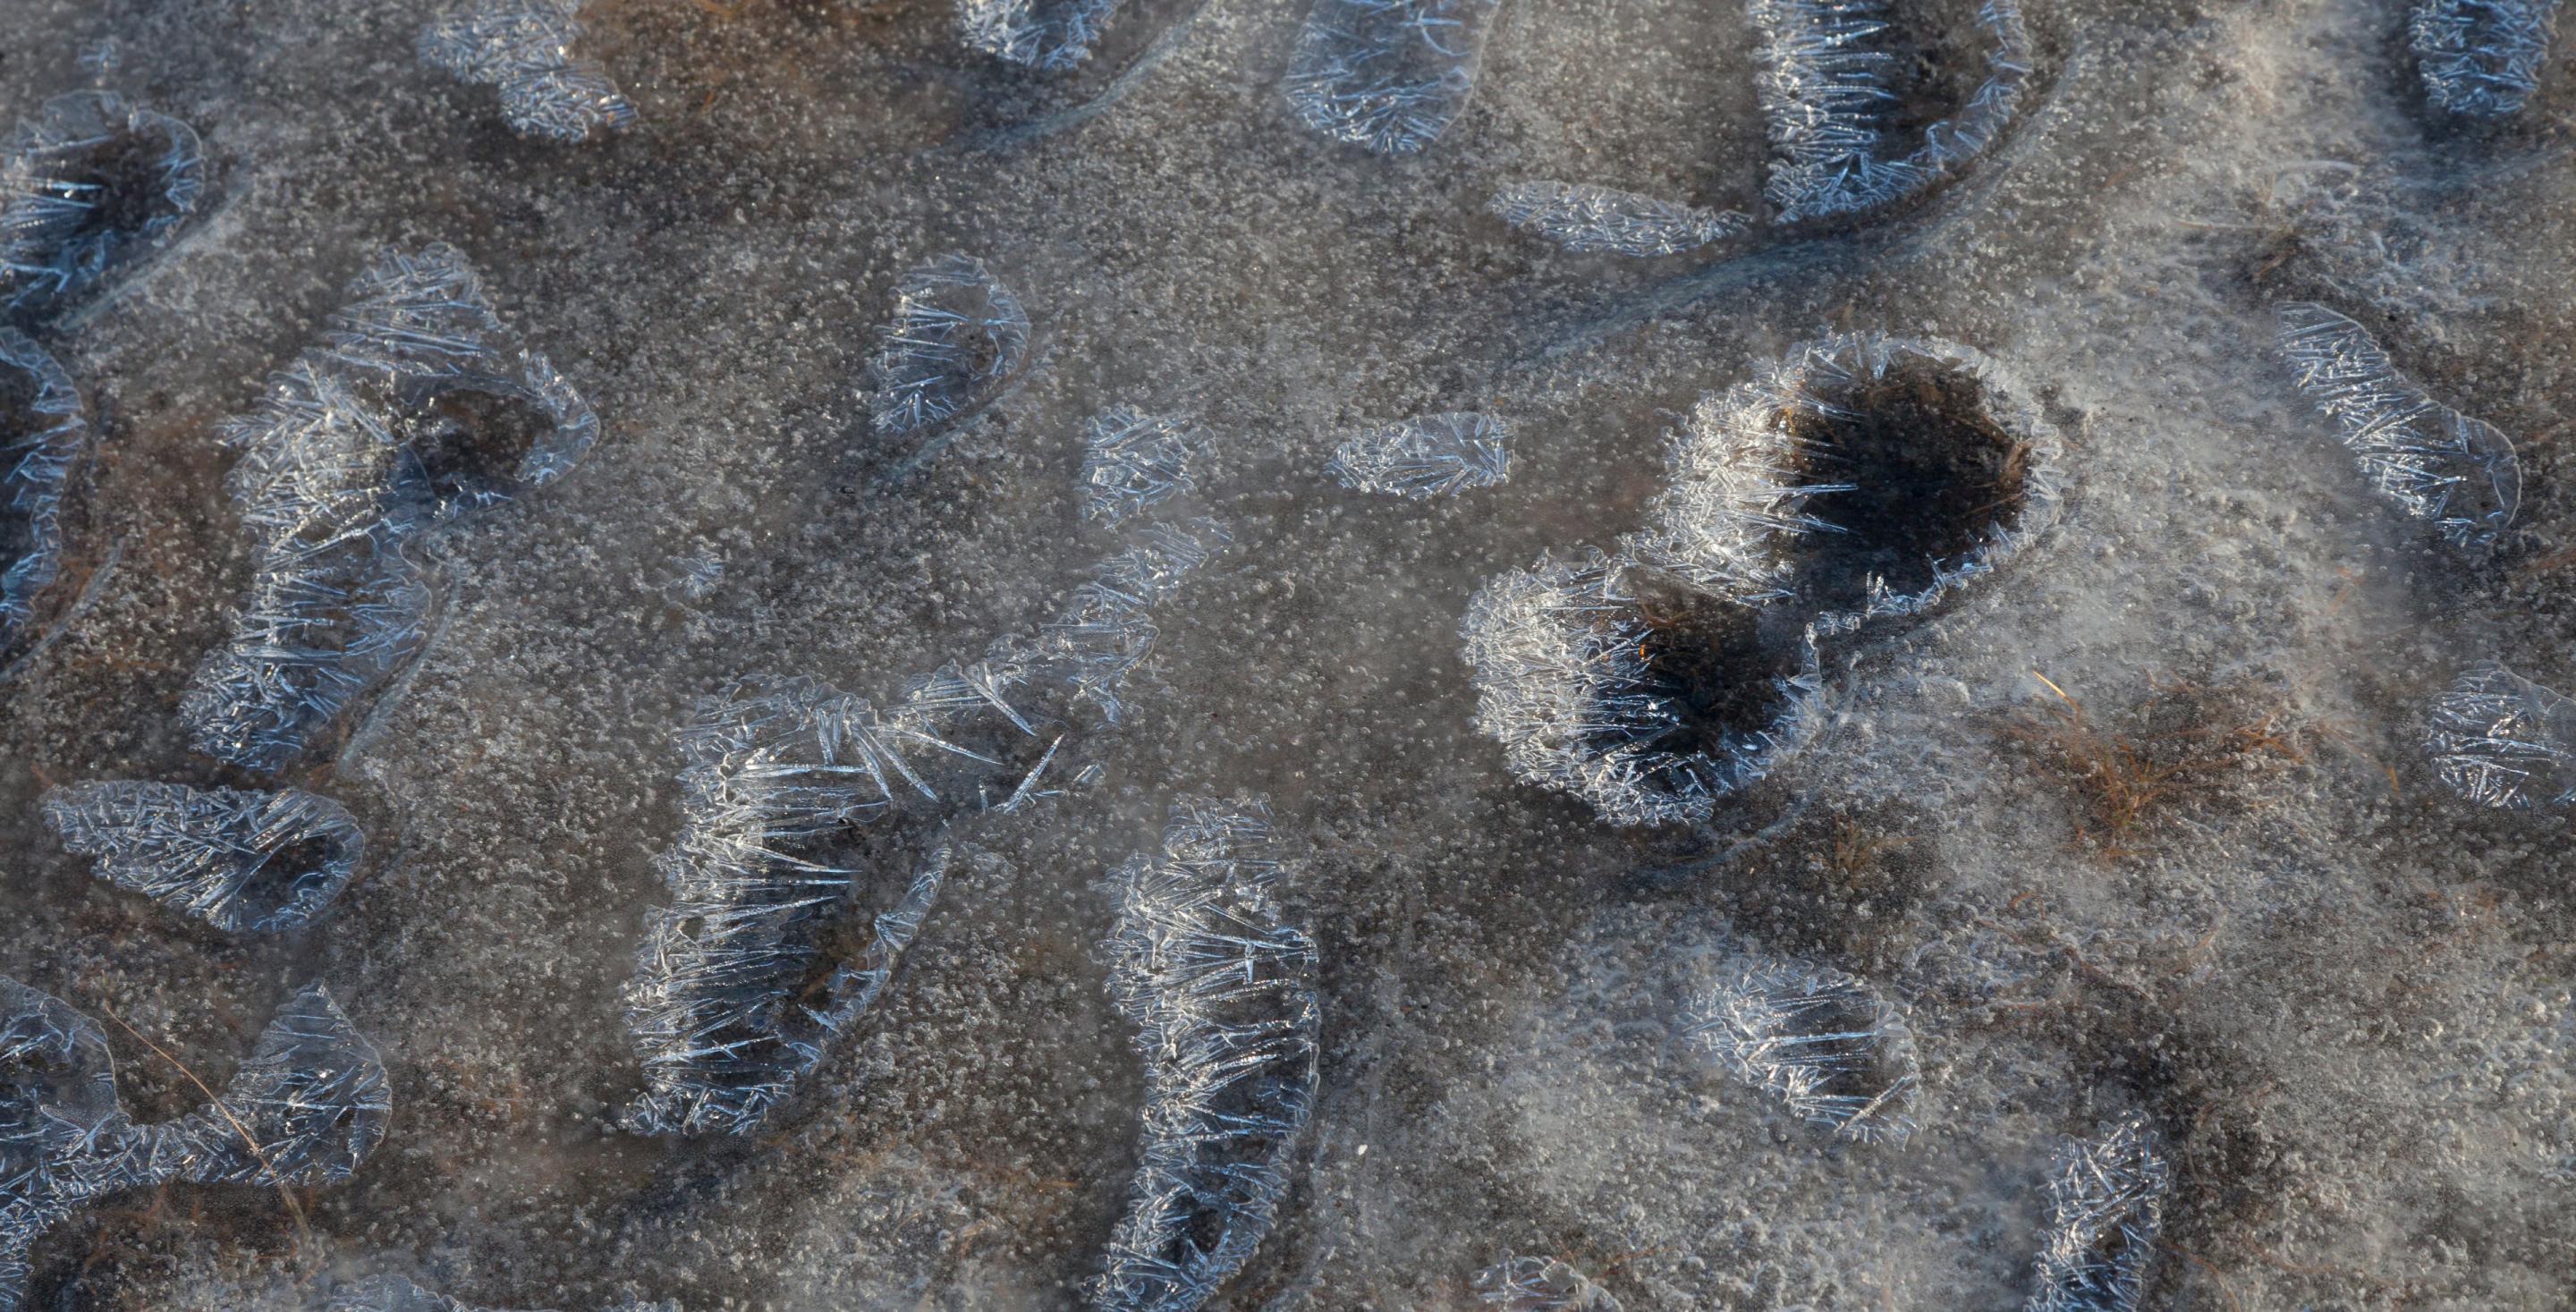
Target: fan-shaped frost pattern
x,y
416,407
1221,986
524,47
2504,741
93,182
1388,75
306,1107
2434,462
1541,1284
2482,58
44,434
2106,1203
245,862
1435,455
1822,1042
802,807
956,334
1048,35
1825,87
1596,220
1132,462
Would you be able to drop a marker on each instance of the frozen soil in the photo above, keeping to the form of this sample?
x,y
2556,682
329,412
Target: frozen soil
x,y
2342,997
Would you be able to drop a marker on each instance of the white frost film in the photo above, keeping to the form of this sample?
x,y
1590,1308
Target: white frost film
x,y
524,47
2437,464
244,862
93,182
1540,1284
1434,455
1050,36
44,433
955,335
2503,741
1598,221
2106,1203
2482,58
1132,462
1824,1043
1220,983
396,1294
1387,75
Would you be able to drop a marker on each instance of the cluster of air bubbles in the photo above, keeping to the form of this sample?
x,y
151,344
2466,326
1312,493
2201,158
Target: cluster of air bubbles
x,y
2504,741
239,860
1540,1284
93,182
1050,36
305,1108
1220,982
396,1294
1132,462
955,336
1594,220
2435,463
1823,1043
1387,75
1825,90
524,48
2106,1204
44,435
2481,58
1428,456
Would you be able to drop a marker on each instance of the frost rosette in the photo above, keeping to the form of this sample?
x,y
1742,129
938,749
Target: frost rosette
x,y
93,182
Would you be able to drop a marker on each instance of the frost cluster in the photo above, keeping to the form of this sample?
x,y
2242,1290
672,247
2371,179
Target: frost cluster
x,y
1048,35
396,1294
787,809
1541,1284
2106,1203
44,434
956,334
1132,462
2437,464
1596,220
304,1109
1824,88
2504,741
1434,455
1220,982
2481,58
524,47
1387,75
1822,1042
95,180
416,407
242,861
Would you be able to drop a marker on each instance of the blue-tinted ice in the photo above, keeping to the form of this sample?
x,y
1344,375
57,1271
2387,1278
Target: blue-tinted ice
x,y
93,182
524,47
1387,75
44,434
242,861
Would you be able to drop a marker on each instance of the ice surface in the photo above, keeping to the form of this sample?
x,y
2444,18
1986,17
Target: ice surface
x,y
93,182
242,861
525,48
1132,462
396,1294
1541,1284
2106,1206
1822,1042
955,336
1047,35
1597,220
2501,740
2481,58
1429,456
1387,75
44,435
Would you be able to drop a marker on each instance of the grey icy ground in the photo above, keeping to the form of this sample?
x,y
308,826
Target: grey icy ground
x,y
2343,995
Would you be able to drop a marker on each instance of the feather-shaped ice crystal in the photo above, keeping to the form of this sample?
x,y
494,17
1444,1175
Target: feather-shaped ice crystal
x,y
2482,58
524,47
1048,35
1596,220
1434,455
44,433
2106,1202
2436,463
2504,741
1822,1042
93,182
1132,462
242,861
1387,75
1541,1284
1220,983
955,335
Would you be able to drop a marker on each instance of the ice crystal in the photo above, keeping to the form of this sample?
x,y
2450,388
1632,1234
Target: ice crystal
x,y
396,1294
244,862
44,433
1132,462
524,47
2106,1202
1596,220
1388,75
2434,462
307,1106
1822,1042
94,181
956,334
2504,741
416,407
1541,1284
2482,58
1825,89
1048,35
788,807
1221,986
1434,455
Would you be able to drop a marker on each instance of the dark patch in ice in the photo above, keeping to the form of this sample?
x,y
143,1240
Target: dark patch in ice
x,y
94,182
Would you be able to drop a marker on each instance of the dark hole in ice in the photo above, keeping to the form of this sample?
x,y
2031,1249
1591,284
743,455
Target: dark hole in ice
x,y
272,886
1716,666
469,437
122,180
19,424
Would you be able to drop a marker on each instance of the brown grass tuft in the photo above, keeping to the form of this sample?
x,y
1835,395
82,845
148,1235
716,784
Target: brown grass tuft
x,y
2176,750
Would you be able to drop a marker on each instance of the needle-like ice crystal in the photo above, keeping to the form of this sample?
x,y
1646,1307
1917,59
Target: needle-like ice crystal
x,y
1220,983
242,861
93,182
1050,36
44,434
1596,220
2106,1204
1541,1284
2504,741
955,335
1387,75
524,47
1434,455
416,407
1132,462
2482,58
2437,464
1822,1042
